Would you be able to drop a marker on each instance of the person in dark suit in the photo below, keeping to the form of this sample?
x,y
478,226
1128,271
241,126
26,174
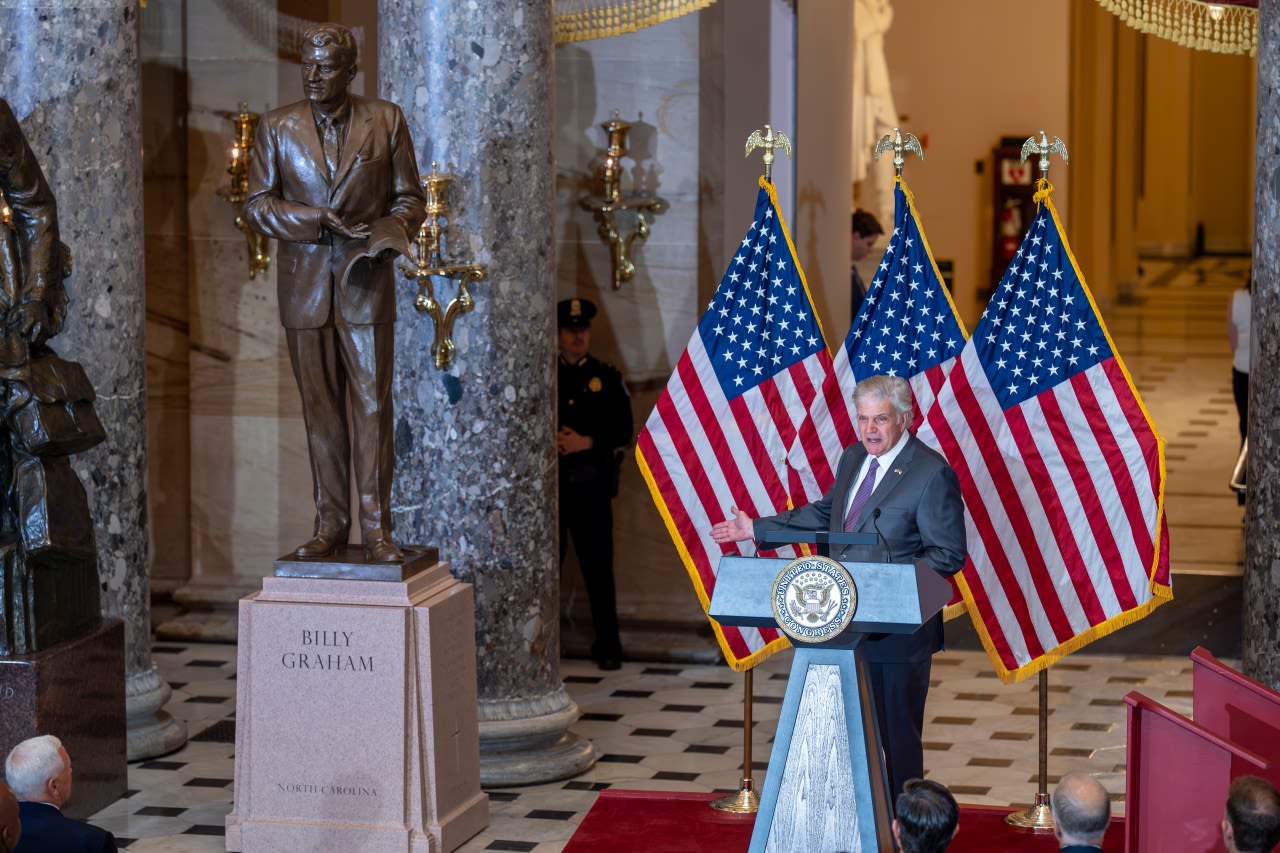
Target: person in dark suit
x,y
332,178
10,824
927,817
1252,822
892,485
864,230
595,424
39,772
1081,811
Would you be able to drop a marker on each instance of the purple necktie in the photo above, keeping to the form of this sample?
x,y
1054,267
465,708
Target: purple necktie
x,y
861,497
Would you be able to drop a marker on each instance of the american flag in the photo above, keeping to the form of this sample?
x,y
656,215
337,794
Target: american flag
x,y
1061,467
907,326
726,431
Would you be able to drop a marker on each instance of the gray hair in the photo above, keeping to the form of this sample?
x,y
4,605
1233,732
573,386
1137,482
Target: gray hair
x,y
1081,808
895,389
31,764
322,35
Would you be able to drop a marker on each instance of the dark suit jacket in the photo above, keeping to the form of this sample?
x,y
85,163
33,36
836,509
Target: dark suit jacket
x,y
376,183
921,520
45,830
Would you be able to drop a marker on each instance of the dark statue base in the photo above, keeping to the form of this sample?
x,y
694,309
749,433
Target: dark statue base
x,y
75,692
349,563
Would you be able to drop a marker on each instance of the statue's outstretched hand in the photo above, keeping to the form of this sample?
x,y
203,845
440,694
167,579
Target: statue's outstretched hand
x,y
330,219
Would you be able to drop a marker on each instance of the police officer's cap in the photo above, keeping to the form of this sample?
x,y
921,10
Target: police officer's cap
x,y
575,313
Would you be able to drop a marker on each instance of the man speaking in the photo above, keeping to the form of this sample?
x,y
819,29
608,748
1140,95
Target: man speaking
x,y
892,485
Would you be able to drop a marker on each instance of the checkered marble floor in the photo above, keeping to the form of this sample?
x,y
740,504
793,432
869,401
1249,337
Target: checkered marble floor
x,y
675,728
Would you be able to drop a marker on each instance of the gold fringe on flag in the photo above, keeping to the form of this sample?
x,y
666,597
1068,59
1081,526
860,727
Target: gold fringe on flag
x,y
1229,27
579,20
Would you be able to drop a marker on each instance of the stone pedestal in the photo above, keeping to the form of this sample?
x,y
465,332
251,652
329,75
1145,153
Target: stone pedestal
x,y
75,692
356,716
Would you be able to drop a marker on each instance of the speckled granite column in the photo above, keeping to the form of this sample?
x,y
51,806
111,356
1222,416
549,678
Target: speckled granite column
x,y
475,444
1262,539
70,70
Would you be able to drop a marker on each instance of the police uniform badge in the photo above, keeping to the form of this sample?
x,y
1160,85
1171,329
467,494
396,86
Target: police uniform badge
x,y
814,599
594,383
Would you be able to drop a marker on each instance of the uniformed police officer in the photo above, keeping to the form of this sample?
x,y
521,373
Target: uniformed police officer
x,y
595,427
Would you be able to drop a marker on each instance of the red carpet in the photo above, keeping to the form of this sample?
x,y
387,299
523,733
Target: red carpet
x,y
662,822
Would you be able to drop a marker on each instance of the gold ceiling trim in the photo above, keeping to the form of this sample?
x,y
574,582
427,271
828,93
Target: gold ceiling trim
x,y
1214,27
579,20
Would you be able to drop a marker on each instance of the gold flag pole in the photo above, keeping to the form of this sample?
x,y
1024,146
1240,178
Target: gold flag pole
x,y
746,801
1039,817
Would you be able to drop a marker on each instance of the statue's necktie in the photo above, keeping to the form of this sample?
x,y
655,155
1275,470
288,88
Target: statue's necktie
x,y
861,497
332,146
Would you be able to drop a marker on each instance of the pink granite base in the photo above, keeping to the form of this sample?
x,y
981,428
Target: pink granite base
x,y
74,691
356,717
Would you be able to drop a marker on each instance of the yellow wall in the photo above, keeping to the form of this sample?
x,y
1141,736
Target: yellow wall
x,y
963,75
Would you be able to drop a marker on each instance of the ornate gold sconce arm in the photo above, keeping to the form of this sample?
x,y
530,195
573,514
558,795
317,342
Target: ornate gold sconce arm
x,y
611,202
431,264
442,346
238,158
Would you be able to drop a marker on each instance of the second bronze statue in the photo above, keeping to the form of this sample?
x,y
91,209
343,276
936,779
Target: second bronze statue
x,y
334,178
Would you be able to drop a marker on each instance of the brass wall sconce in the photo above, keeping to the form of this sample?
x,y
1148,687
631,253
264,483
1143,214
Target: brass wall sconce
x,y
608,205
432,263
238,158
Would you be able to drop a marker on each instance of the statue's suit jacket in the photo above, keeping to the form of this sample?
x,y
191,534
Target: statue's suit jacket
x,y
375,183
921,521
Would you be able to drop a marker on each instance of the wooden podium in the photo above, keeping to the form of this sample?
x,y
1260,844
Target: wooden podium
x,y
826,788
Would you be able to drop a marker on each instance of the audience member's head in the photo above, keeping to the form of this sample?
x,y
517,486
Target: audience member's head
x,y
864,229
10,828
1252,824
39,771
1081,810
928,817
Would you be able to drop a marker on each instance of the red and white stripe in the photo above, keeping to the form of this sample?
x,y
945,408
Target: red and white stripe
x,y
705,454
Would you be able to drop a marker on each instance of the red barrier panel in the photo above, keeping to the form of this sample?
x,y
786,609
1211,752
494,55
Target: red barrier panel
x,y
1176,780
1244,711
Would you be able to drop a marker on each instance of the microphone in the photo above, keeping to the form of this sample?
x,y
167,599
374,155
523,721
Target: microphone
x,y
875,522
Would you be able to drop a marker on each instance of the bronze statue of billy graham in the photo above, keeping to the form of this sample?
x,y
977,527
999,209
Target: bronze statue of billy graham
x,y
334,179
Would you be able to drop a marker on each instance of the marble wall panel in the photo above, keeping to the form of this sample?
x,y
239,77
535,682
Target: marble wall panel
x,y
653,79
250,481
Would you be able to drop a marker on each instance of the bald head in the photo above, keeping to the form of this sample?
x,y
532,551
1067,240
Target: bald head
x,y
1081,810
10,829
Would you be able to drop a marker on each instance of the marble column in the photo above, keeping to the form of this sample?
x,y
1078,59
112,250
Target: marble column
x,y
71,74
476,468
1262,537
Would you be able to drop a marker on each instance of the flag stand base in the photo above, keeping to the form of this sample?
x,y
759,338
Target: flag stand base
x,y
1037,818
746,801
